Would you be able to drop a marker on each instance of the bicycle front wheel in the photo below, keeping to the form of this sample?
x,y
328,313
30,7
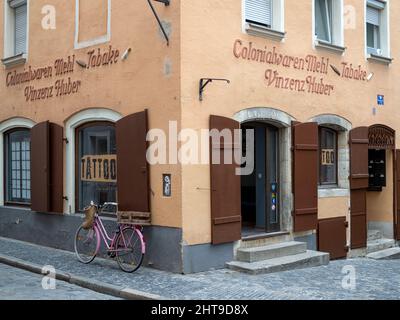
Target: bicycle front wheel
x,y
86,244
129,252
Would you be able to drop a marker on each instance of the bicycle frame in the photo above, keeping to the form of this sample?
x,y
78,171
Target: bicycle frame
x,y
101,230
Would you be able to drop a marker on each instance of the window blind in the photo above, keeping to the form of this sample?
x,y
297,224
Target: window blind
x,y
259,11
20,29
373,16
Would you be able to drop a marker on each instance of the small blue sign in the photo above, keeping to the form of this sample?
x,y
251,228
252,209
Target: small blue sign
x,y
381,100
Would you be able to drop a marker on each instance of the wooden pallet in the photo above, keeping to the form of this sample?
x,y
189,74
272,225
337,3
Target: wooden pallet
x,y
134,217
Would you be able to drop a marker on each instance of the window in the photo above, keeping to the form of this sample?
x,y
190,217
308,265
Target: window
x,y
323,20
20,20
259,12
373,28
15,32
264,18
18,166
328,156
96,164
328,17
377,28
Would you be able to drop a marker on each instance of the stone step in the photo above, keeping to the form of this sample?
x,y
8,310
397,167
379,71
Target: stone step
x,y
380,244
387,254
270,251
298,261
270,238
374,235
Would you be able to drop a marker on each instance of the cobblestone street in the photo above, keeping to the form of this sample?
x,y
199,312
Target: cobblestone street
x,y
16,284
374,279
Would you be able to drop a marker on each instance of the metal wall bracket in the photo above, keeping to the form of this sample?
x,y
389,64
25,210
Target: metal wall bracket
x,y
166,3
66,140
204,82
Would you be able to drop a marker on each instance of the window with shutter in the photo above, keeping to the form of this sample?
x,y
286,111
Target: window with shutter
x,y
20,14
377,26
20,29
373,28
259,12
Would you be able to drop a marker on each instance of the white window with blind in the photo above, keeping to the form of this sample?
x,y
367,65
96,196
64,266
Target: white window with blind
x,y
377,30
264,18
328,24
15,32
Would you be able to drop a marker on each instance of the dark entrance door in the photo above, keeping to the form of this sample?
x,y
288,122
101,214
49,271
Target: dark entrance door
x,y
260,190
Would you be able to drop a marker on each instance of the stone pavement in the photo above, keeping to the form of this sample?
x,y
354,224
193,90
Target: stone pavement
x,y
17,284
374,279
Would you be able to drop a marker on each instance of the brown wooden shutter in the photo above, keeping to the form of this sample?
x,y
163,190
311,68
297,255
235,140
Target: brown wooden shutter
x,y
47,167
332,237
397,194
305,176
132,166
56,168
40,173
225,188
358,186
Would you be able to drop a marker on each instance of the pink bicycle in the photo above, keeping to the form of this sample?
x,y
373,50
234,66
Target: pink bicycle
x,y
127,244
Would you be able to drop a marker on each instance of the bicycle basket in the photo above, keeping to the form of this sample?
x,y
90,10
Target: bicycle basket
x,y
90,213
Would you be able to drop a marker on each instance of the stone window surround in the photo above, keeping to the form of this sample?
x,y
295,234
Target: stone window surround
x,y
276,32
343,127
337,43
76,120
4,127
9,58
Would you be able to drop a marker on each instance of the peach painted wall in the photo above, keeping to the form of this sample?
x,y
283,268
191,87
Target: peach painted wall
x,y
333,207
209,30
149,78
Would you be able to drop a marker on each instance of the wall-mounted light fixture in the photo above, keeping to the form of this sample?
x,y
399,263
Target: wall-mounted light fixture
x,y
204,82
126,54
81,63
370,76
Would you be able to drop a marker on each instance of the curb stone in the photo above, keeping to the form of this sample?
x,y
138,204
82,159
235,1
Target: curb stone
x,y
94,285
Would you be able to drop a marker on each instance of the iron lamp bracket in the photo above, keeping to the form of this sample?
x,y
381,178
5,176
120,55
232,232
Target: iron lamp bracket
x,y
166,3
205,81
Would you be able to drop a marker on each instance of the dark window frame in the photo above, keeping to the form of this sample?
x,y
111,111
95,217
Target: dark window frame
x,y
320,182
6,167
77,173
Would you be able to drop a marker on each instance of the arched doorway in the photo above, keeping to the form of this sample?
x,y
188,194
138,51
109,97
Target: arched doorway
x,y
266,193
260,190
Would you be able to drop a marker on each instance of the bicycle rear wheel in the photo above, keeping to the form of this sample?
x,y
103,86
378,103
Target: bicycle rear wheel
x,y
129,252
86,244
